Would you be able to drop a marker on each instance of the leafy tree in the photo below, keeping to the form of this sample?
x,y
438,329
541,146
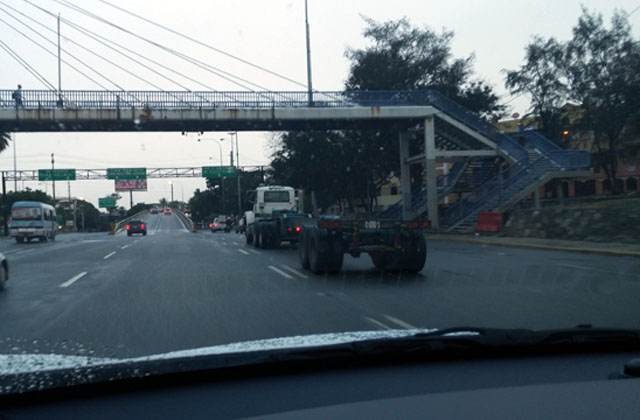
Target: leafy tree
x,y
542,77
598,70
4,141
402,57
603,69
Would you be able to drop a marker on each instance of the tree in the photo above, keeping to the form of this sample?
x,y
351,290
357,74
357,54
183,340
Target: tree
x,y
4,141
402,57
602,65
543,78
351,166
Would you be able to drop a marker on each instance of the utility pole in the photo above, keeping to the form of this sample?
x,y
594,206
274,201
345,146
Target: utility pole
x,y
4,205
235,133
309,86
15,165
53,182
131,199
59,67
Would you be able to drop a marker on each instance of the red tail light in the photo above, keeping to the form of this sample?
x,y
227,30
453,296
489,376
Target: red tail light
x,y
426,224
297,228
215,224
336,224
128,227
142,226
324,224
288,229
210,225
415,224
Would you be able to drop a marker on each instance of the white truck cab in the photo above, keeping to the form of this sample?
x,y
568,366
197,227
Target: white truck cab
x,y
272,198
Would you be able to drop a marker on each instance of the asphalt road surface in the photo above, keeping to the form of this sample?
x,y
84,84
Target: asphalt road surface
x,y
118,296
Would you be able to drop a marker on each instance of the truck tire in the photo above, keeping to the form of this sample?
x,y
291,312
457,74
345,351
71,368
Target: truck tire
x,y
260,233
248,237
416,253
303,247
323,253
256,229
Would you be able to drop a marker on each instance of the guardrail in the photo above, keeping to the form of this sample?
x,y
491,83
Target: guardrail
x,y
571,159
188,223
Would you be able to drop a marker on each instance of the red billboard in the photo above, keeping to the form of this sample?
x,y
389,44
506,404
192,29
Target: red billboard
x,y
131,184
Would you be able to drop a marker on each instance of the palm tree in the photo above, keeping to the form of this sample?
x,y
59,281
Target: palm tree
x,y
4,141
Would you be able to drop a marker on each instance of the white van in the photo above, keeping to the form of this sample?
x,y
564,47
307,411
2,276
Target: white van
x,y
32,219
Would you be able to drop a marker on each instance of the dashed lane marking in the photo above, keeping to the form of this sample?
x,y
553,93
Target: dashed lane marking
x,y
400,322
243,251
376,323
282,273
125,247
109,255
24,252
255,252
73,279
294,271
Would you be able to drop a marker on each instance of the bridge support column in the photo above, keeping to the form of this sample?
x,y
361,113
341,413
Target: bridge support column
x,y
536,198
405,175
430,166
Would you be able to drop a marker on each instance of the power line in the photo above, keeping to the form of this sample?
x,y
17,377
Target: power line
x,y
205,45
49,52
634,10
26,65
51,42
208,67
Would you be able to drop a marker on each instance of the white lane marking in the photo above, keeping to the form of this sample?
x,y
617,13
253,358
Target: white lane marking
x,y
243,251
500,253
591,269
376,323
73,279
125,247
401,322
294,271
88,241
109,255
255,252
24,252
282,273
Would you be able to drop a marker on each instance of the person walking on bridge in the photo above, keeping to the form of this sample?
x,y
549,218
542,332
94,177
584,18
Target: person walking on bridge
x,y
17,96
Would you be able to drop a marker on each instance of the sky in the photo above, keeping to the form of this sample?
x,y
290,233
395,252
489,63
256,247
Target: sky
x,y
269,33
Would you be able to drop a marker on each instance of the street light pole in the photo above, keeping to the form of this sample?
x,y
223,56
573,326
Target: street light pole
x,y
53,182
171,183
232,134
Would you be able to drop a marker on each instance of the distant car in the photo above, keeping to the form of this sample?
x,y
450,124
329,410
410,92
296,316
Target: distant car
x,y
168,212
4,271
154,210
136,226
217,225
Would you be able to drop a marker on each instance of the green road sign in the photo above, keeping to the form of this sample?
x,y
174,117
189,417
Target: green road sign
x,y
56,174
126,173
106,202
218,171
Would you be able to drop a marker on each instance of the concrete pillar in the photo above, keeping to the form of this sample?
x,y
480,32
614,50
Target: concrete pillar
x,y
405,175
559,191
572,188
430,165
536,198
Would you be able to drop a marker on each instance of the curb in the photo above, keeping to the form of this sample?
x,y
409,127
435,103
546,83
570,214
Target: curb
x,y
600,251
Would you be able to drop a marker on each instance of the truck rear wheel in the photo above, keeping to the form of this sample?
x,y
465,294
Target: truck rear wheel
x,y
303,247
411,258
325,256
248,238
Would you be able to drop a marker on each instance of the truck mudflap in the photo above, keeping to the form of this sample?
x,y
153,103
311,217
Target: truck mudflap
x,y
392,245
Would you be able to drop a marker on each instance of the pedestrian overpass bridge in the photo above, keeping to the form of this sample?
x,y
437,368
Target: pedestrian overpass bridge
x,y
451,133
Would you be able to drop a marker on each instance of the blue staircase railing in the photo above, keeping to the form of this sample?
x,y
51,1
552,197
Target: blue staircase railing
x,y
419,195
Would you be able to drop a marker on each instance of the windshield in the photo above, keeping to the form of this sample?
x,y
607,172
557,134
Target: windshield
x,y
232,172
276,196
26,213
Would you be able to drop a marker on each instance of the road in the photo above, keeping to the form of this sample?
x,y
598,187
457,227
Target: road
x,y
118,296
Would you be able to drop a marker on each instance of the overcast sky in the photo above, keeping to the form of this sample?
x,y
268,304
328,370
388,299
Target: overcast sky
x,y
269,33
